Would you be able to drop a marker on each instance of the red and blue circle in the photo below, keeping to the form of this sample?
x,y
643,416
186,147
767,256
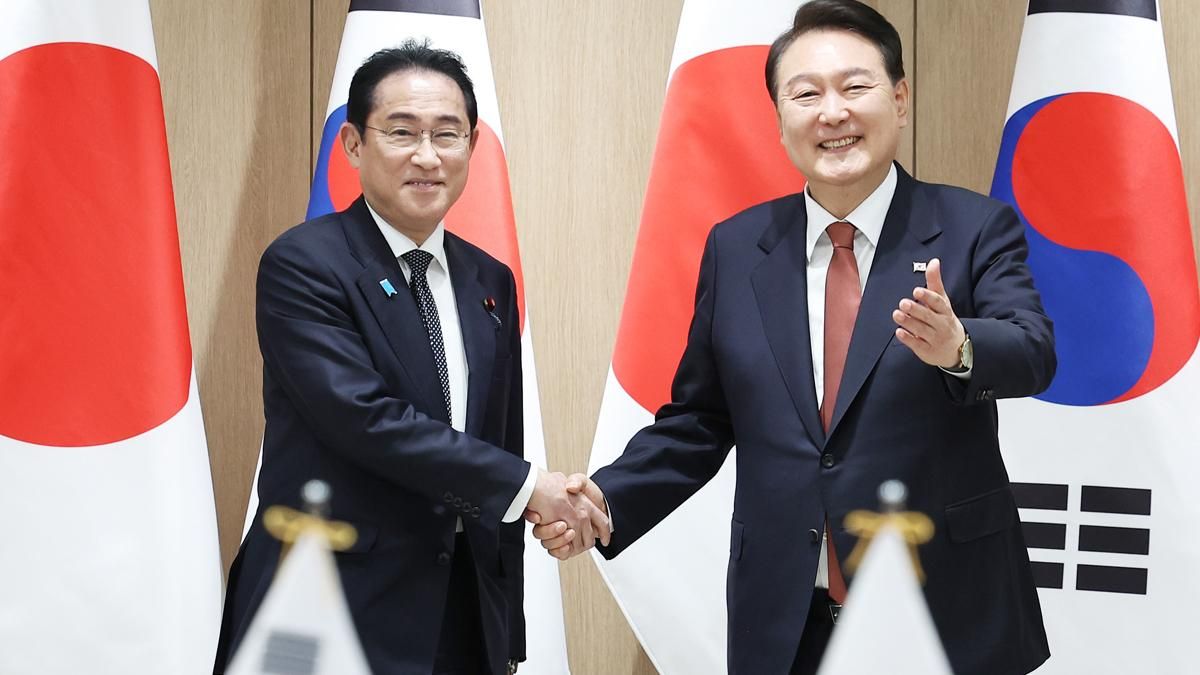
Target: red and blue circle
x,y
1098,183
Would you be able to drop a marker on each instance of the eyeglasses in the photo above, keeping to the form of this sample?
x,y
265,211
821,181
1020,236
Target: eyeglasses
x,y
409,138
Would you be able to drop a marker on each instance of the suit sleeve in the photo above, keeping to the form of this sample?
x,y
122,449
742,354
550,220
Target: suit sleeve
x,y
512,535
668,461
1011,335
312,346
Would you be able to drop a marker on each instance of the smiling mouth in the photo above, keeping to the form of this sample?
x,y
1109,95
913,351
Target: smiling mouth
x,y
840,143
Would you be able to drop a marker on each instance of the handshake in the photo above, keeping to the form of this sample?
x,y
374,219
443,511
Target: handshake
x,y
568,514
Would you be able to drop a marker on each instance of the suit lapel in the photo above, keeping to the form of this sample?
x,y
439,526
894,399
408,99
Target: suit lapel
x,y
781,289
478,330
397,314
906,230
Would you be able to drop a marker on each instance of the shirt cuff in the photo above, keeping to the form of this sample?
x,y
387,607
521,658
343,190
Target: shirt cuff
x,y
521,501
963,375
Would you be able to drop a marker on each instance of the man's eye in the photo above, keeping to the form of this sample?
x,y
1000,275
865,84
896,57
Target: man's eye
x,y
401,132
446,135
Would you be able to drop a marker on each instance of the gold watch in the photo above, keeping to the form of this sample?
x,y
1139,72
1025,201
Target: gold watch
x,y
966,354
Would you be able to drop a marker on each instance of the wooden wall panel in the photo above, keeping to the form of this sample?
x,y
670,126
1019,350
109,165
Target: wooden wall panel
x,y
903,15
965,54
328,20
1181,21
235,89
581,86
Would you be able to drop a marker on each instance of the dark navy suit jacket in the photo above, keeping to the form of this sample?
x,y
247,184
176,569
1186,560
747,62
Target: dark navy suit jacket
x,y
746,378
352,397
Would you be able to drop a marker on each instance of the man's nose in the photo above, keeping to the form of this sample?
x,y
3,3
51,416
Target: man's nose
x,y
424,154
833,109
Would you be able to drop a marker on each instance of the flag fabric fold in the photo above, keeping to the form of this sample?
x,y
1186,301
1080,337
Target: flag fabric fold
x,y
483,215
111,562
715,156
1104,461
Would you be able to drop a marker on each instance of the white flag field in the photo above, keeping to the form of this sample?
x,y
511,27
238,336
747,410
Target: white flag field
x,y
483,216
110,563
715,156
1105,463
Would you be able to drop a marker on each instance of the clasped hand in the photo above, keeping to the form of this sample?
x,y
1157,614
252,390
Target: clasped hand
x,y
568,514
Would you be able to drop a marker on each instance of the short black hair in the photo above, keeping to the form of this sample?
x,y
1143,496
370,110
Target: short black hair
x,y
411,55
847,15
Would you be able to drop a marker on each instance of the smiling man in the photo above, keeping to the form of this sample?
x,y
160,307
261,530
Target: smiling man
x,y
392,371
855,332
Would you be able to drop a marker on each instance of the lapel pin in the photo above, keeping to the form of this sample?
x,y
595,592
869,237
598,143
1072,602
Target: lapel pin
x,y
489,304
919,266
387,287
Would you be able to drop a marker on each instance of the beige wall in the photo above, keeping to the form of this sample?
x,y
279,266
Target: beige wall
x,y
580,86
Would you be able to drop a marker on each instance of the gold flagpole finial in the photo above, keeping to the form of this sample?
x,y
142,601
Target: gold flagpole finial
x,y
287,524
915,527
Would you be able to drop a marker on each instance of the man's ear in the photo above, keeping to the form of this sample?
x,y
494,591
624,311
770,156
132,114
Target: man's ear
x,y
902,101
474,138
352,142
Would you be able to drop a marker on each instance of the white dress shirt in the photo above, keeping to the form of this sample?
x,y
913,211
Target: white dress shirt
x,y
438,278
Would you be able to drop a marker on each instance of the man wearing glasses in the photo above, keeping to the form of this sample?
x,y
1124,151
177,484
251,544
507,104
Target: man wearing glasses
x,y
392,370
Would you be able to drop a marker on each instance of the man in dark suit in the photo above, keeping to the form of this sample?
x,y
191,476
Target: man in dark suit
x,y
857,332
392,370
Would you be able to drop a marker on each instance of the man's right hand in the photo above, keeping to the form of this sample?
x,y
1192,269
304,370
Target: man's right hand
x,y
571,521
559,539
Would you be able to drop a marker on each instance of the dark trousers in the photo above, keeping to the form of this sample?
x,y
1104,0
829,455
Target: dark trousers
x,y
461,649
815,638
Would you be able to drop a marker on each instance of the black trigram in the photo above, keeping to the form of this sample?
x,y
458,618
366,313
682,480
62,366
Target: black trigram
x,y
1092,538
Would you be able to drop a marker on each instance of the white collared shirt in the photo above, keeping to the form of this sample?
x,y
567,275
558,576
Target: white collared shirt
x,y
867,219
457,370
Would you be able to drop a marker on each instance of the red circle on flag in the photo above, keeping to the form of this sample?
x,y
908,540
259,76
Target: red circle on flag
x,y
718,153
94,328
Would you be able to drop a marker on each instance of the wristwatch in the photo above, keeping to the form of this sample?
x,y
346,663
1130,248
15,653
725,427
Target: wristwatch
x,y
966,356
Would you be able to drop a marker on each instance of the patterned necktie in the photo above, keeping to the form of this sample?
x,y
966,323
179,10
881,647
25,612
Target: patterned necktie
x,y
418,263
843,293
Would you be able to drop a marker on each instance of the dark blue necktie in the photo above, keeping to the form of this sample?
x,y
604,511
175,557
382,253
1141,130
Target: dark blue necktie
x,y
418,263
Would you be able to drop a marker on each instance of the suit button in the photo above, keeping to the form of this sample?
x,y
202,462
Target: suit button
x,y
458,502
466,507
443,559
814,536
448,497
475,512
827,460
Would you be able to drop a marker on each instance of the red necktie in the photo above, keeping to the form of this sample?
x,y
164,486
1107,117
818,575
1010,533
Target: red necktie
x,y
842,296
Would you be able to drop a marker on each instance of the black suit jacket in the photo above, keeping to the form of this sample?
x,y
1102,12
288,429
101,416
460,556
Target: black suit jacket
x,y
746,377
352,396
